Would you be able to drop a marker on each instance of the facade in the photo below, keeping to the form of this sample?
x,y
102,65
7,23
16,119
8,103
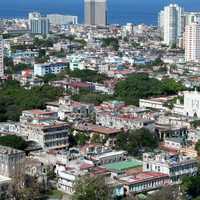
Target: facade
x,y
1,57
48,68
39,25
174,143
173,26
71,110
57,19
115,114
109,157
96,12
12,162
192,42
192,104
161,20
144,182
176,166
42,127
191,17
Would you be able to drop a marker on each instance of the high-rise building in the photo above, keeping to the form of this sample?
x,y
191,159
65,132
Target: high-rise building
x,y
191,17
39,25
172,21
33,15
192,42
57,19
96,12
1,57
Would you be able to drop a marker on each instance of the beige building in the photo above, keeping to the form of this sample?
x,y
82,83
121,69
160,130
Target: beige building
x,y
192,42
1,57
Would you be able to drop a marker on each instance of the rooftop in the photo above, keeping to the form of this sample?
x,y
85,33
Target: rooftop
x,y
141,177
9,150
4,179
124,165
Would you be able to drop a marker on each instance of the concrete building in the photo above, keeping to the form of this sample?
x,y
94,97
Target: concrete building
x,y
191,17
144,182
39,25
176,166
96,12
57,19
42,127
1,57
192,42
161,20
12,162
173,23
48,68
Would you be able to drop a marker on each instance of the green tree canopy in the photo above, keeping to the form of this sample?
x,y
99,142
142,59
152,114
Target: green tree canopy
x,y
92,188
14,99
136,140
138,86
13,142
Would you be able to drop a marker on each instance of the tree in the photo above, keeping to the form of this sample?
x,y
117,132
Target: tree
x,y
13,141
14,99
111,42
191,186
81,138
170,86
137,141
197,147
92,188
138,86
167,193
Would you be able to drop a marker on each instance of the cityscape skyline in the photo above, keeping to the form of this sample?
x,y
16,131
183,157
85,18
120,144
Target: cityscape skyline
x,y
119,11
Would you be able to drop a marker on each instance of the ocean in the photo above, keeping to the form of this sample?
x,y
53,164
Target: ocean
x,y
119,11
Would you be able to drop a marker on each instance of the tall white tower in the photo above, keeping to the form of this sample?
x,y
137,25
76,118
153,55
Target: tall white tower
x,y
173,23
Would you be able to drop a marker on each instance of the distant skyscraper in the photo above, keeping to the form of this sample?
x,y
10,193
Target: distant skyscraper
x,y
96,12
172,21
39,25
192,42
1,57
57,19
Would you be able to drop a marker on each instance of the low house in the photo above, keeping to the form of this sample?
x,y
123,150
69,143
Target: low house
x,y
144,182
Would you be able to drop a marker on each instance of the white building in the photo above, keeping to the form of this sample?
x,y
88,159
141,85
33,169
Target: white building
x,y
77,62
1,57
172,21
48,68
176,166
39,25
161,20
192,42
42,127
192,103
57,19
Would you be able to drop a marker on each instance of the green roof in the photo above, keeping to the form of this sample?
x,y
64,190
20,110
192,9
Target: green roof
x,y
124,165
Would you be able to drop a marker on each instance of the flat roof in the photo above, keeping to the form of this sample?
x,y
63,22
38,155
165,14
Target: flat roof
x,y
4,179
124,165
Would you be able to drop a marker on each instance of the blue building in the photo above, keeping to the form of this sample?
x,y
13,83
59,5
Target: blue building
x,y
48,68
